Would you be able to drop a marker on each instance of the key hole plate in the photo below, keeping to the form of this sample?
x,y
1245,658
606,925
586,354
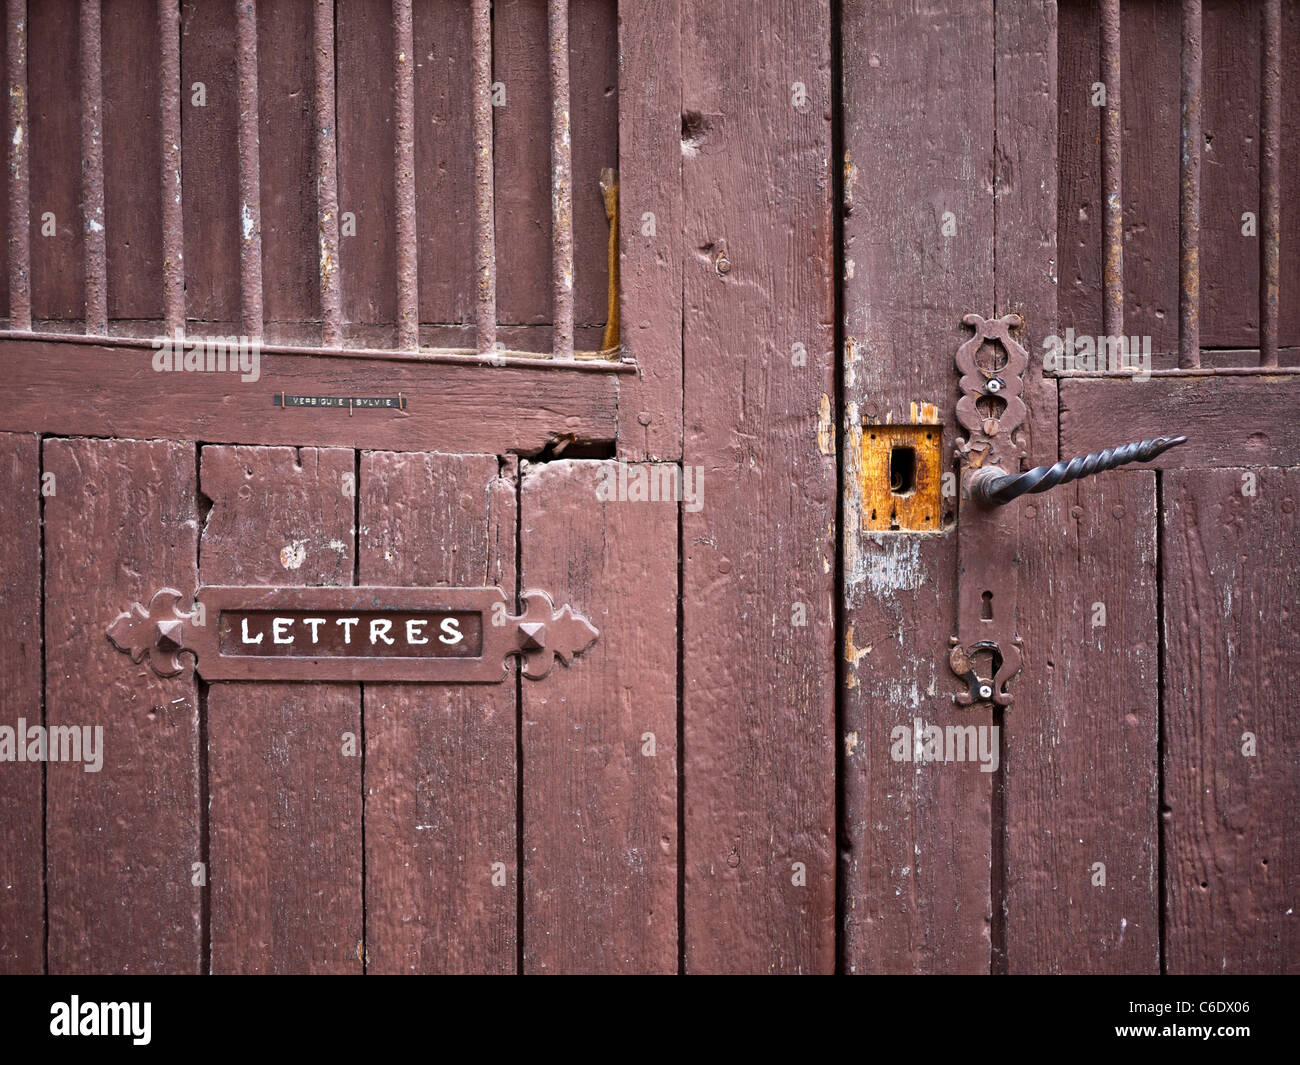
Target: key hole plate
x,y
900,477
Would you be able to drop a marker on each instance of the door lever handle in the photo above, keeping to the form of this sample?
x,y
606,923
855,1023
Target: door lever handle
x,y
993,486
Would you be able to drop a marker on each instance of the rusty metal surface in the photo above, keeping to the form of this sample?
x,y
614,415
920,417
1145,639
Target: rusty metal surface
x,y
485,250
250,209
327,180
1270,183
561,181
1189,184
232,634
92,167
408,313
169,190
20,282
1112,174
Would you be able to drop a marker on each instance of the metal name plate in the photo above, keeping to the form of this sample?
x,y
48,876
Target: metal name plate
x,y
439,635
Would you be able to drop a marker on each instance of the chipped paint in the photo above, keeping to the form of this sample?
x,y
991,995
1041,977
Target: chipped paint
x,y
293,555
853,655
825,428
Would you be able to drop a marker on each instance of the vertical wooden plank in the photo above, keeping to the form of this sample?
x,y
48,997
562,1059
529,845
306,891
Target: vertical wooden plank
x,y
441,864
1231,769
290,235
444,160
172,210
599,738
211,183
22,856
16,294
758,626
284,779
132,155
121,843
919,127
54,129
1081,740
364,85
1289,199
403,119
1025,212
249,163
1230,175
650,149
94,239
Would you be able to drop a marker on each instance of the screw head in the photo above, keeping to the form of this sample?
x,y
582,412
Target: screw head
x,y
986,691
994,385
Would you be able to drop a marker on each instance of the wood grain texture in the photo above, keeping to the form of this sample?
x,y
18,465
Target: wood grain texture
x,y
919,142
211,178
86,388
758,583
1080,741
121,842
284,798
600,737
132,156
440,758
1230,653
1025,212
22,860
364,91
1226,419
1289,250
650,149
54,117
290,238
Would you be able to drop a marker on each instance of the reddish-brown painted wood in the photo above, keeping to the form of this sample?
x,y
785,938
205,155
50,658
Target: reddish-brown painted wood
x,y
1229,680
132,157
1289,250
758,700
22,864
441,861
284,802
76,387
917,839
1227,420
364,91
290,238
122,843
599,738
1080,741
650,152
54,117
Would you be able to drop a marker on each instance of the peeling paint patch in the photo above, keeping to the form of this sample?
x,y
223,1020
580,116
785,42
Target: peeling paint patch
x,y
825,428
294,554
853,655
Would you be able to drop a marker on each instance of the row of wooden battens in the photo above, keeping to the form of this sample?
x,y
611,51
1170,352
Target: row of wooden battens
x,y
1189,206
250,245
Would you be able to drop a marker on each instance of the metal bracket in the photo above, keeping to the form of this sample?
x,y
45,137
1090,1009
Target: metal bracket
x,y
991,409
292,633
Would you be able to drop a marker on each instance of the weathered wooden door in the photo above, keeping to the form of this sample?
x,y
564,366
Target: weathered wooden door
x,y
314,314
1092,172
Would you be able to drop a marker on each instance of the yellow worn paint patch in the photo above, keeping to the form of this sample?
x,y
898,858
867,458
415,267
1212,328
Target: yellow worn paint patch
x,y
899,474
825,428
853,655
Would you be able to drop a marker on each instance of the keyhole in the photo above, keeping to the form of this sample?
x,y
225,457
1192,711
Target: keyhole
x,y
986,606
902,470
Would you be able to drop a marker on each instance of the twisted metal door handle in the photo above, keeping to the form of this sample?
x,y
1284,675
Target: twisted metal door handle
x,y
993,486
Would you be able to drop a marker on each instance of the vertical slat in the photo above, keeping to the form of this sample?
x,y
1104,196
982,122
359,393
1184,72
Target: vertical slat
x,y
284,778
20,288
1189,184
758,628
441,837
408,314
1270,182
600,861
173,215
561,182
250,181
1112,174
915,894
92,168
124,891
1231,737
485,251
1081,740
650,184
22,861
327,180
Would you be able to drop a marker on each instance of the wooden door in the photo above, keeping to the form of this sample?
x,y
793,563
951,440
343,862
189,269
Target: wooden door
x,y
1109,170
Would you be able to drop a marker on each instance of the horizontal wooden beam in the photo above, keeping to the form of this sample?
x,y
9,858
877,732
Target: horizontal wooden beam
x,y
85,389
1228,421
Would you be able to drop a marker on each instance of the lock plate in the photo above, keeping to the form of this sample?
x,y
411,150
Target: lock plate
x,y
901,471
